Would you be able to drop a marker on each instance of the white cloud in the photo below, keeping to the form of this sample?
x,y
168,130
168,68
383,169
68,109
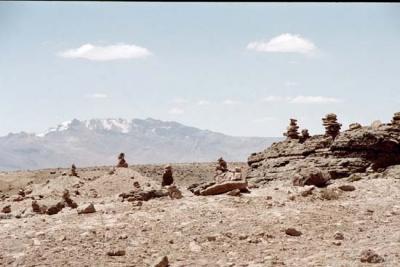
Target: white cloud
x,y
203,102
180,100
97,95
264,119
284,43
302,99
106,53
313,100
176,111
230,102
272,98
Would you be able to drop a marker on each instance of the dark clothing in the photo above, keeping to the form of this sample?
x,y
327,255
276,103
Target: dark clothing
x,y
167,178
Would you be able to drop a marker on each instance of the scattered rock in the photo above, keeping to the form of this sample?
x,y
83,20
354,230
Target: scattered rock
x,y
307,191
293,232
370,256
113,253
161,262
6,209
174,192
354,178
88,209
329,194
347,187
338,236
223,188
54,209
211,238
235,192
311,176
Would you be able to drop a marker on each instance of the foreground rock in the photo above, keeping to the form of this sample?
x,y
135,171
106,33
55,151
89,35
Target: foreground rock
x,y
161,262
293,232
144,195
88,209
223,188
370,256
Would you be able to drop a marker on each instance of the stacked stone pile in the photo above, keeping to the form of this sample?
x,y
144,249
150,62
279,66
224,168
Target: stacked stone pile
x,y
396,119
332,127
292,132
360,149
304,135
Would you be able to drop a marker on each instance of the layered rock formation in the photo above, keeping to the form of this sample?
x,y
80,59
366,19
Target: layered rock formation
x,y
357,150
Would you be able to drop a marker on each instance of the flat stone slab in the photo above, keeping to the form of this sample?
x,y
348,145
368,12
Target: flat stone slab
x,y
223,188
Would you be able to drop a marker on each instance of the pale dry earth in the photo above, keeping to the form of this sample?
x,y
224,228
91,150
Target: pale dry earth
x,y
197,230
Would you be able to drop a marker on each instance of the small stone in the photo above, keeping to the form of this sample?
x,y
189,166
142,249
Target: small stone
x,y
347,187
243,237
161,262
123,236
371,256
89,209
6,209
119,252
235,192
338,236
307,191
337,243
293,232
211,238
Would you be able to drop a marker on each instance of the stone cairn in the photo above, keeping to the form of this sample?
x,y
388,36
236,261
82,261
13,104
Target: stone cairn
x,y
73,171
354,126
304,135
396,119
292,132
332,127
121,161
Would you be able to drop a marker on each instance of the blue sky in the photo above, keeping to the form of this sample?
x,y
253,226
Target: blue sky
x,y
240,69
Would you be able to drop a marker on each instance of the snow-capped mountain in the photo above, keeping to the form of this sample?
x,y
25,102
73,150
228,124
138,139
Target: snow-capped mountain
x,y
99,141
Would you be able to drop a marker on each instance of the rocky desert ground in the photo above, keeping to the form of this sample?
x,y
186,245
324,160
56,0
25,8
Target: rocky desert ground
x,y
322,200
334,226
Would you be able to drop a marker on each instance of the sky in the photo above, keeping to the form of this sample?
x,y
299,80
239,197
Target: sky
x,y
240,69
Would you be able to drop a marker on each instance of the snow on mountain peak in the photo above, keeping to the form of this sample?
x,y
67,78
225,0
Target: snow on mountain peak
x,y
116,125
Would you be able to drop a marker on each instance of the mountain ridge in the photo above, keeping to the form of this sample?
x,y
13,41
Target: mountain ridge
x,y
144,141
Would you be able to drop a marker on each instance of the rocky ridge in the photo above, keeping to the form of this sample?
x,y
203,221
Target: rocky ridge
x,y
358,150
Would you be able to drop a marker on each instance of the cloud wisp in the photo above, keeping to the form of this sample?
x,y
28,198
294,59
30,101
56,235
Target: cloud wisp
x,y
302,99
176,111
203,102
97,96
106,53
284,43
230,102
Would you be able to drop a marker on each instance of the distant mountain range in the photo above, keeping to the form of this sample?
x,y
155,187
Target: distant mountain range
x,y
99,141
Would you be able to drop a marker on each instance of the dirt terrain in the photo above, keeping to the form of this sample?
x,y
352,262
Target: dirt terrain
x,y
334,226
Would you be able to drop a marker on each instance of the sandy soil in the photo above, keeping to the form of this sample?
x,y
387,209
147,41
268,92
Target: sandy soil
x,y
196,231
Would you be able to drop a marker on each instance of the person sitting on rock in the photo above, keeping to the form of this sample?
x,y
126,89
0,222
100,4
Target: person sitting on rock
x,y
167,178
222,165
121,161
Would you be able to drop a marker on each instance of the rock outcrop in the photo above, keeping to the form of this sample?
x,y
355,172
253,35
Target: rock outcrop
x,y
357,150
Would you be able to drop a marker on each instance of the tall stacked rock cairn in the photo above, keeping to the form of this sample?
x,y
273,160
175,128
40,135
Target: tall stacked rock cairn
x,y
359,150
332,127
292,132
396,119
